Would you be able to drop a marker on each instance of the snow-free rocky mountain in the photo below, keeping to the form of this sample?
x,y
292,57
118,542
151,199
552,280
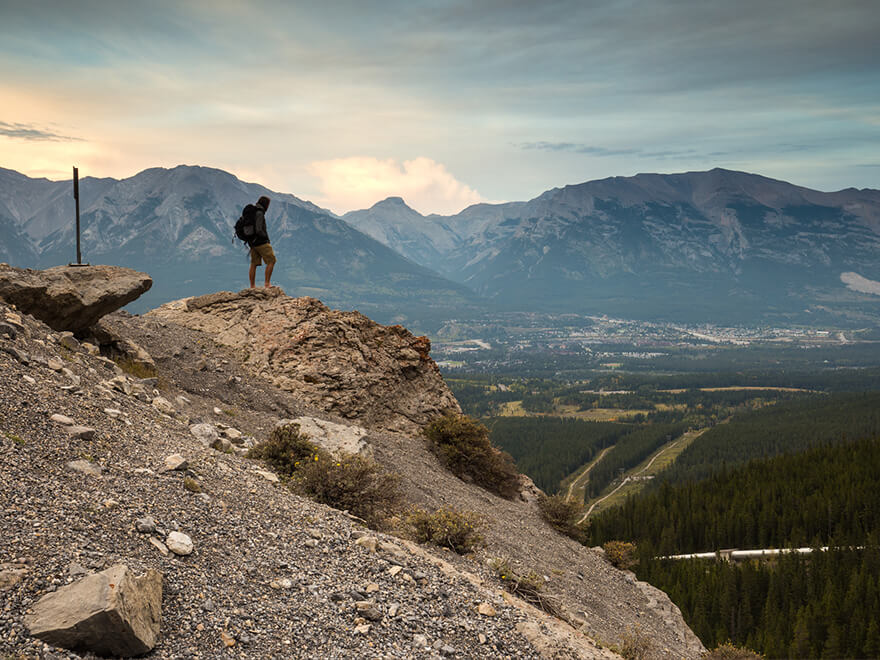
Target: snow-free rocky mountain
x,y
719,246
177,224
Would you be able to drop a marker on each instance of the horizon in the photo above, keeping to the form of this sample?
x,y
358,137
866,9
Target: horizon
x,y
445,105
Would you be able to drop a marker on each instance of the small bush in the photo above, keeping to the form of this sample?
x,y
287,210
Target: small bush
x,y
353,483
526,586
621,554
192,485
728,651
447,528
462,444
135,368
563,515
636,645
285,450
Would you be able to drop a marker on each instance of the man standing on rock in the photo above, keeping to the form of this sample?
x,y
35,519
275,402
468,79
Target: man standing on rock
x,y
261,249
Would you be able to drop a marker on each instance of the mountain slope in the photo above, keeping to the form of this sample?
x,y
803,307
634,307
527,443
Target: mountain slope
x,y
716,245
425,240
177,223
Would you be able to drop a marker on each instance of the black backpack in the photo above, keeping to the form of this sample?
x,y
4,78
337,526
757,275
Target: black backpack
x,y
246,225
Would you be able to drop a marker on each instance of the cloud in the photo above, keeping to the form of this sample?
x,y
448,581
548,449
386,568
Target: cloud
x,y
861,284
359,182
31,132
603,152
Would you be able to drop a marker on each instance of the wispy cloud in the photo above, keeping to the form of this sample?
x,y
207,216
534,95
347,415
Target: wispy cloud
x,y
604,151
31,132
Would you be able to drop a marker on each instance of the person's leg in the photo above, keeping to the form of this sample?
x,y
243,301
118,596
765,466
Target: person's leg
x,y
269,268
252,274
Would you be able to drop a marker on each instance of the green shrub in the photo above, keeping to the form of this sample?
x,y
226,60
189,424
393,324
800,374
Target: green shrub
x,y
447,528
135,368
563,515
352,483
621,554
728,651
192,485
285,450
462,444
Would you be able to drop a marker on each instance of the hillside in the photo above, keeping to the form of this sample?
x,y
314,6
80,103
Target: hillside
x,y
272,573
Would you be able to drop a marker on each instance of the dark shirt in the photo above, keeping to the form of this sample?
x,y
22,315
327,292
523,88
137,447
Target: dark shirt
x,y
261,236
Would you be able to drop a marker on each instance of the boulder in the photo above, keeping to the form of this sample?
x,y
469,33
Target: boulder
x,y
107,613
71,297
335,438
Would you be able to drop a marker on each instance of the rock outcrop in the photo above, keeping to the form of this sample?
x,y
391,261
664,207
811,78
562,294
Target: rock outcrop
x,y
108,613
341,362
71,297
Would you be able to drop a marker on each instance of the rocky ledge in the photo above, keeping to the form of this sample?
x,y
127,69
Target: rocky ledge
x,y
342,362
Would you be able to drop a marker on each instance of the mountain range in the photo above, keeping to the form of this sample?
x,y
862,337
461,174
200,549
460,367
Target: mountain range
x,y
719,246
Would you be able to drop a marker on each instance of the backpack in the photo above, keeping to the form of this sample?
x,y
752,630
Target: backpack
x,y
246,225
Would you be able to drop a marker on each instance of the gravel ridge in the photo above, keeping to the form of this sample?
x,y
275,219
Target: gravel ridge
x,y
272,574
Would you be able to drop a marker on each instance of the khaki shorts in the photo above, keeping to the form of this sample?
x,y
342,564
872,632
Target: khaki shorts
x,y
262,254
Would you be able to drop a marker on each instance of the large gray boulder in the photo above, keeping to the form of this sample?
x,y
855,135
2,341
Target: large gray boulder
x,y
108,613
71,297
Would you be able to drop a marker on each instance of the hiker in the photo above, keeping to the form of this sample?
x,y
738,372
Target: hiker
x,y
261,249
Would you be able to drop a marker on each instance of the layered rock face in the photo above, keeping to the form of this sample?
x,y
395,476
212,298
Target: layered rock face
x,y
71,297
341,362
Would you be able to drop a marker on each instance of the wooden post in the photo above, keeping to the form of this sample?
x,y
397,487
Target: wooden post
x,y
76,198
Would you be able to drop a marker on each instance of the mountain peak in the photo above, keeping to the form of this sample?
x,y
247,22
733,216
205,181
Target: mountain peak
x,y
393,202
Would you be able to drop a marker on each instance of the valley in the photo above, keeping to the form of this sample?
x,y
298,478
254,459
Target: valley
x,y
676,460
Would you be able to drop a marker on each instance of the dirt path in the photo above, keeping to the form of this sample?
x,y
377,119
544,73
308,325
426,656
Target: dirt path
x,y
629,478
586,472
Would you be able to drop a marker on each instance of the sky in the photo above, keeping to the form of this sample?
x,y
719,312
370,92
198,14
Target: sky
x,y
443,103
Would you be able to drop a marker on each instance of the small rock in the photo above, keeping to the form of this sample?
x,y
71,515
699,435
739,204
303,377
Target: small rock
x,y
81,432
8,330
69,341
394,570
29,380
368,542
55,364
62,419
221,444
228,640
207,433
19,355
110,504
113,412
179,543
315,533
393,609
363,629
10,577
163,405
176,462
145,525
372,588
85,467
310,543
90,348
420,641
217,411
281,583
161,547
482,638
486,609
268,476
